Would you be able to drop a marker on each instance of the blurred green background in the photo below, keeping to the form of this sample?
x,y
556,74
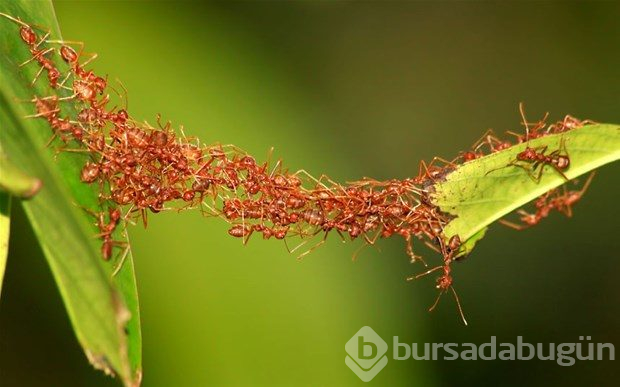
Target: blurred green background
x,y
350,90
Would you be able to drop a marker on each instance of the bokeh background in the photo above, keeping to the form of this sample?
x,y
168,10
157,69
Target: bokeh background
x,y
351,90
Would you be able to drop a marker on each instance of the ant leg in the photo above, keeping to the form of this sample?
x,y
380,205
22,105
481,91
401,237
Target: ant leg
x,y
425,169
36,57
488,139
298,246
330,181
125,252
518,227
537,177
37,76
558,171
513,163
39,115
520,138
409,249
126,97
166,127
524,120
433,247
418,276
586,185
536,126
436,158
301,256
458,304
97,215
277,167
374,238
312,178
303,234
441,292
571,197
357,252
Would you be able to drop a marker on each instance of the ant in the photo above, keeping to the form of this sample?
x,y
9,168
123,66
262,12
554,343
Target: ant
x,y
71,57
48,109
558,159
492,143
549,201
568,123
444,282
106,230
29,37
530,132
431,172
537,158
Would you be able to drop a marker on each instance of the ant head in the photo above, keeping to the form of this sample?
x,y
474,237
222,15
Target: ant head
x,y
526,154
280,234
90,172
78,133
68,54
188,195
115,214
563,162
122,115
444,282
295,181
503,145
159,138
100,84
53,74
84,91
454,244
28,35
469,156
248,161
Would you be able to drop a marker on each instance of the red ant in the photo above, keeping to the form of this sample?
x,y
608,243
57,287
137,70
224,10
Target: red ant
x,y
558,159
89,79
530,132
444,282
29,37
568,123
537,158
431,173
106,230
493,143
48,108
548,202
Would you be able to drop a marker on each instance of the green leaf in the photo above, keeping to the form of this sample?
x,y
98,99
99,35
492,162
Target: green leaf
x,y
103,309
5,226
481,191
16,182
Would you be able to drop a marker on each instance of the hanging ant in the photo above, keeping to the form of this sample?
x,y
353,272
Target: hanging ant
x,y
551,200
444,281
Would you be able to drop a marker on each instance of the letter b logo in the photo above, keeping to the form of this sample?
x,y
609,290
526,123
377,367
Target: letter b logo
x,y
366,354
361,348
